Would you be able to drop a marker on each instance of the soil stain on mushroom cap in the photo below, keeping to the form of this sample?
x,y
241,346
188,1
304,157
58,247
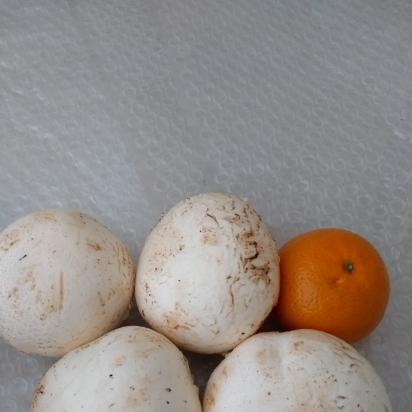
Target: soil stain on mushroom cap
x,y
94,245
214,256
9,240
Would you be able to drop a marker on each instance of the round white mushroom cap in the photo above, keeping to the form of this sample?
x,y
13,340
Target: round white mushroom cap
x,y
208,274
130,369
302,371
65,280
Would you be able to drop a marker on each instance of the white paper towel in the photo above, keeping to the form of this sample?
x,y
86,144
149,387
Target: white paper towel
x,y
122,108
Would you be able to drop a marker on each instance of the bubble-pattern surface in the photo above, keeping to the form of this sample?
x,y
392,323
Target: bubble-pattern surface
x,y
124,108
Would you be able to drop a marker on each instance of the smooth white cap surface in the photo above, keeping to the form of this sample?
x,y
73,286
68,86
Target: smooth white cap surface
x,y
298,371
128,370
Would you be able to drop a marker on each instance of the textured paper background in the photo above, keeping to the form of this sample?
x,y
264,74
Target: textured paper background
x,y
122,108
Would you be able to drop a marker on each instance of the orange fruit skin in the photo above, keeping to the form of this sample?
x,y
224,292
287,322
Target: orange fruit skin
x,y
332,280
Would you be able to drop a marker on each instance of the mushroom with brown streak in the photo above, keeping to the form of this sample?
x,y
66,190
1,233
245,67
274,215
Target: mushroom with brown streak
x,y
65,280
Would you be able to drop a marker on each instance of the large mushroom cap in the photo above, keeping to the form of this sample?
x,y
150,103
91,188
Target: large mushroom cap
x,y
208,274
129,369
65,280
299,371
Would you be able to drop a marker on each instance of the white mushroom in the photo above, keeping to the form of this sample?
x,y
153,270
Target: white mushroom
x,y
208,274
65,280
129,369
300,371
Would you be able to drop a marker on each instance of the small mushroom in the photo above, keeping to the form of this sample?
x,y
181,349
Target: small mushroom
x,y
208,274
303,371
130,369
65,280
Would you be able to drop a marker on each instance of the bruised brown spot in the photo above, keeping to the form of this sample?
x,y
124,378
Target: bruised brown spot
x,y
245,237
251,251
210,396
101,300
46,216
120,360
10,240
10,244
231,292
125,263
261,356
14,294
234,219
247,210
136,398
212,216
53,300
175,321
257,271
180,308
298,345
94,245
232,296
83,218
29,277
40,390
61,290
122,254
29,280
250,261
210,239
